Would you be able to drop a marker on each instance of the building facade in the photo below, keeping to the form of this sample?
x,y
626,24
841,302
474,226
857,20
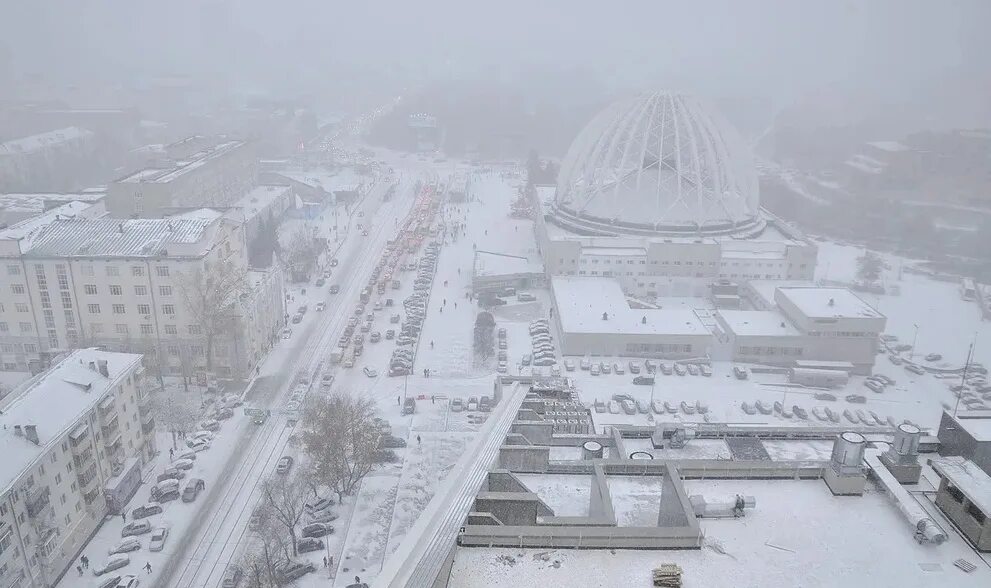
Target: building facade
x,y
54,160
201,174
70,434
127,286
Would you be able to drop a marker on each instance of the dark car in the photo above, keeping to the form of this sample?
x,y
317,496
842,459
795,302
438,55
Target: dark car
x,y
317,530
391,442
334,289
292,570
146,510
192,489
308,544
409,406
321,282
643,380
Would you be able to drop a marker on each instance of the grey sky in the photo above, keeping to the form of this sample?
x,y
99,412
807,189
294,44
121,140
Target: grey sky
x,y
779,48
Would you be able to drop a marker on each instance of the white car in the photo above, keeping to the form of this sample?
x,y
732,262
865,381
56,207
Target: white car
x,y
197,445
126,545
371,373
158,537
569,365
586,364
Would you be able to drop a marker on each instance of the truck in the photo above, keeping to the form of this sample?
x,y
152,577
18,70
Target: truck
x,y
336,356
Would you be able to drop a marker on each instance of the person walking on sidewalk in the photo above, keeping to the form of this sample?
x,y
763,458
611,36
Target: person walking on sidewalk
x,y
147,567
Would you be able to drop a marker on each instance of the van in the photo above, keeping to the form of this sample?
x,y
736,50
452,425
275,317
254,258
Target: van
x,y
409,406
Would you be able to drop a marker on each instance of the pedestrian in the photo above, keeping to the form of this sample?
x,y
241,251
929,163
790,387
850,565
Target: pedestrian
x,y
442,310
399,401
431,399
325,561
455,305
123,515
85,561
80,570
148,567
431,344
459,271
171,453
417,440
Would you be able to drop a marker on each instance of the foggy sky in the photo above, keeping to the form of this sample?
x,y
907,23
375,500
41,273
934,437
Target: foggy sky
x,y
774,48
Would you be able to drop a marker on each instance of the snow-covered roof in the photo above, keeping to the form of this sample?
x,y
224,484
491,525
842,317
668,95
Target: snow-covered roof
x,y
580,303
976,423
116,237
35,201
968,477
54,401
757,323
43,140
828,303
165,175
33,225
260,198
489,264
766,288
893,146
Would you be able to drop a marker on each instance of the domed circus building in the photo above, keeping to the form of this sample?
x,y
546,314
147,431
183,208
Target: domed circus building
x,y
662,194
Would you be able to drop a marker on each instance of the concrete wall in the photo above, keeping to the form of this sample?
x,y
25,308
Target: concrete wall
x,y
958,512
613,344
511,508
518,458
954,440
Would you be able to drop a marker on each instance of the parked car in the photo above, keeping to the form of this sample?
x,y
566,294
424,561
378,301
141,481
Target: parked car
x,y
665,368
594,369
193,488
146,510
585,364
284,465
210,425
874,385
171,474
457,404
371,373
318,505
232,577
934,357
472,404
556,371
135,528
162,487
325,516
375,337
740,373
484,404
643,380
126,545
297,318
569,365
308,544
128,581
197,444
334,289
525,297
706,371
114,562
618,368
225,413
911,367
158,537
544,361
502,332
692,369
391,442
634,367
292,570
317,530
605,368
680,369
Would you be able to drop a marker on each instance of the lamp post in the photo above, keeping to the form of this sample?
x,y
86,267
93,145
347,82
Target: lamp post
x,y
915,338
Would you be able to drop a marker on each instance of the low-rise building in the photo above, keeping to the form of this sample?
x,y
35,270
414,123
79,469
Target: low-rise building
x,y
70,437
53,160
16,207
200,174
594,318
964,495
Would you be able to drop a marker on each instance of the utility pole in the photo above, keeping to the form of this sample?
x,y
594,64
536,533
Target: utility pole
x,y
963,376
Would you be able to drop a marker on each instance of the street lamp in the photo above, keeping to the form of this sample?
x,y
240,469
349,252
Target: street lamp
x,y
915,338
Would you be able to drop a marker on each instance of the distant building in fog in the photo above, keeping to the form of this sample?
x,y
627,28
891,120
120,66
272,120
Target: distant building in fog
x,y
54,160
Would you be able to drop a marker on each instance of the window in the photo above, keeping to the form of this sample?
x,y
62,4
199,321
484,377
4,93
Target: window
x,y
171,330
112,270
162,271
26,328
3,327
168,309
119,309
96,328
141,290
195,329
13,270
144,309
120,329
173,350
115,290
90,289
21,307
93,308
954,493
17,288
146,329
137,270
196,350
165,290
976,513
87,270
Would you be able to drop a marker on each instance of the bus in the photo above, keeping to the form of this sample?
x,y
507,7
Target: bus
x,y
967,289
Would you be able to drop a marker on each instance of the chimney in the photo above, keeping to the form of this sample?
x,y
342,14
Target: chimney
x,y
120,227
31,432
832,302
102,366
18,431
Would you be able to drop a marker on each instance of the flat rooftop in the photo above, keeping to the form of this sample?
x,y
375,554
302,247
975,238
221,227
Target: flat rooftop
x,y
259,198
799,534
976,423
765,288
757,323
829,303
54,401
968,477
41,141
488,263
182,167
115,237
581,301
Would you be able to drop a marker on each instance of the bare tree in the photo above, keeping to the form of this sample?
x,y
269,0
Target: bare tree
x,y
177,412
301,253
266,551
285,495
340,436
210,296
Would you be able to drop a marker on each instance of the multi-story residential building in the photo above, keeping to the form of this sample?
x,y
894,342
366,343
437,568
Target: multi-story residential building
x,y
213,175
126,285
74,439
54,160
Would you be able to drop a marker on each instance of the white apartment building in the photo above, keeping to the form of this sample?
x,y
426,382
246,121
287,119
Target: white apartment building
x,y
74,438
198,174
70,282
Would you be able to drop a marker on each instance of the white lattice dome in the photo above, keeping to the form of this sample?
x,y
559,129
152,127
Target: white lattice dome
x,y
658,163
